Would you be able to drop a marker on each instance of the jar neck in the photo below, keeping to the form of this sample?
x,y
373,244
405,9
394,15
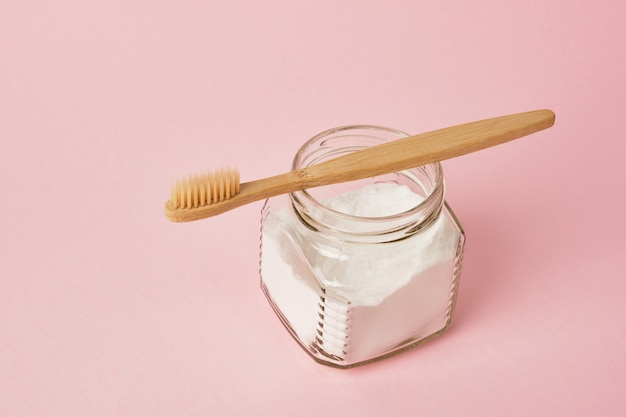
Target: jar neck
x,y
313,211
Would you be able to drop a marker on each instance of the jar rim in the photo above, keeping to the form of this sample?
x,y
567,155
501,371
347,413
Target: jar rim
x,y
434,194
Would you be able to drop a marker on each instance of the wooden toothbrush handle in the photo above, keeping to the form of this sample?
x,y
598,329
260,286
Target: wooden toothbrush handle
x,y
427,148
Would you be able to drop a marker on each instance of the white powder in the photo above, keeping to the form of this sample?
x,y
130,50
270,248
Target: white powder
x,y
373,295
375,200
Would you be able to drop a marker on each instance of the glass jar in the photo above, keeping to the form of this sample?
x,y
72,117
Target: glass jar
x,y
351,286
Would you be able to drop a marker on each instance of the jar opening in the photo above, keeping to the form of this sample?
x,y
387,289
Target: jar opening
x,y
313,205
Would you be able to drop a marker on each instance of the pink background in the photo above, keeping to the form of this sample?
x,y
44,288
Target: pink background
x,y
107,309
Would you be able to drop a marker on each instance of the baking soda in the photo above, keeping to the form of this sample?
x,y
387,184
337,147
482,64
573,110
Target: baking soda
x,y
350,302
375,200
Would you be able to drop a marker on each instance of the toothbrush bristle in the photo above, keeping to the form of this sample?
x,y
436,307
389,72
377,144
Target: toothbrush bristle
x,y
205,189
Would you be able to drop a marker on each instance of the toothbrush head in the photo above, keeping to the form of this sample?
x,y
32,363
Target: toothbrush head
x,y
201,190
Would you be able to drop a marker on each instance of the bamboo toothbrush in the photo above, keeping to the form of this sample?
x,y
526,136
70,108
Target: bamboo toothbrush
x,y
207,195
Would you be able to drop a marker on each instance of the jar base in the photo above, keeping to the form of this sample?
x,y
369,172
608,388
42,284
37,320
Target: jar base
x,y
322,357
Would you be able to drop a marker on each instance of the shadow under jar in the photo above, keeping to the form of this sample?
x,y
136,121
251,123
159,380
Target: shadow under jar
x,y
365,269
